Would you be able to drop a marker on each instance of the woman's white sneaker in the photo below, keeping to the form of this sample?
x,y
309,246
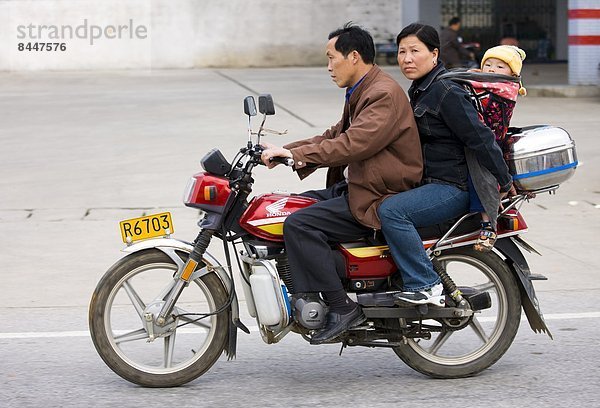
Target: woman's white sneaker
x,y
431,296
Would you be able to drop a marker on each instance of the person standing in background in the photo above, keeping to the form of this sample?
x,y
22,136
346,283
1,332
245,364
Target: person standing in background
x,y
452,52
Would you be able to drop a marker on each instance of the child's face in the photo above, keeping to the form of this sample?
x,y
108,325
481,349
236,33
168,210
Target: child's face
x,y
496,66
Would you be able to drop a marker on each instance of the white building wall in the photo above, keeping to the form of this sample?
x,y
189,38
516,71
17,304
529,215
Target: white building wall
x,y
182,33
584,42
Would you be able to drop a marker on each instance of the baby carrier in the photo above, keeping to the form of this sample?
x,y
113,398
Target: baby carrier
x,y
494,97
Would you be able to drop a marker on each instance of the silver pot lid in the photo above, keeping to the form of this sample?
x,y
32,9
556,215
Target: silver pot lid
x,y
538,139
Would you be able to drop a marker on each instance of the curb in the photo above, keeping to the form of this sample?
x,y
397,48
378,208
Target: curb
x,y
564,91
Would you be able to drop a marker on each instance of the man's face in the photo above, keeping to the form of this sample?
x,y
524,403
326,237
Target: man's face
x,y
341,69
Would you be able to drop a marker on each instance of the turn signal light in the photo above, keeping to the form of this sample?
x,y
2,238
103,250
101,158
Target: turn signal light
x,y
210,193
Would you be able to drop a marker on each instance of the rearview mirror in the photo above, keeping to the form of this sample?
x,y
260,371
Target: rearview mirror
x,y
266,105
249,106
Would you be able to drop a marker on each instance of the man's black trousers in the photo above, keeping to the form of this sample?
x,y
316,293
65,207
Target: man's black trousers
x,y
309,234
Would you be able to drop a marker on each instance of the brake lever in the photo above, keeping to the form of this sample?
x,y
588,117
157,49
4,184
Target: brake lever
x,y
273,132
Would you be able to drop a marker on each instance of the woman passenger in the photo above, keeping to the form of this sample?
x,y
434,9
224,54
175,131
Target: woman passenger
x,y
448,123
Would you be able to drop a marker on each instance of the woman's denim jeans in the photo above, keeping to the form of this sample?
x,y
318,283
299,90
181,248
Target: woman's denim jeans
x,y
426,205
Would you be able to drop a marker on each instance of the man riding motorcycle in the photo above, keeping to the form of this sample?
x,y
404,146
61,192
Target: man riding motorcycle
x,y
378,143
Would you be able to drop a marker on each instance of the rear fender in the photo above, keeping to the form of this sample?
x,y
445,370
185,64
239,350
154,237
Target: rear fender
x,y
518,264
169,246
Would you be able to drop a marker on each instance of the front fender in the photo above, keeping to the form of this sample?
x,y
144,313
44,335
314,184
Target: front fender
x,y
518,264
170,247
167,245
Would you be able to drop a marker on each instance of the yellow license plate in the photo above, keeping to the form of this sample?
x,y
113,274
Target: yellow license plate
x,y
151,226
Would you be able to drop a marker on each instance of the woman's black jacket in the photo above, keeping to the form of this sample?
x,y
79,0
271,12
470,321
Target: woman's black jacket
x,y
447,122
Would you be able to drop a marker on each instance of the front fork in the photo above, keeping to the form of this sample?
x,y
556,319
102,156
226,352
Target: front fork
x,y
183,278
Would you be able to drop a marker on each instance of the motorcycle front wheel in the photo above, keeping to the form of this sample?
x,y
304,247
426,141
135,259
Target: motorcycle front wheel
x,y
462,348
185,348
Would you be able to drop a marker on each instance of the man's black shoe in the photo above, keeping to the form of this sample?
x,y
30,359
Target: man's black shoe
x,y
337,324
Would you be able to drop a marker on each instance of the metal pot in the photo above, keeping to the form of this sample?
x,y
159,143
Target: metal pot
x,y
540,156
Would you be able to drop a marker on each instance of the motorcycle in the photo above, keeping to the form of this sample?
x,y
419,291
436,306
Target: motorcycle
x,y
473,62
163,314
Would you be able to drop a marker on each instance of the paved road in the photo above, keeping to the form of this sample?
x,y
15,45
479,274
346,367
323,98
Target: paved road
x,y
84,150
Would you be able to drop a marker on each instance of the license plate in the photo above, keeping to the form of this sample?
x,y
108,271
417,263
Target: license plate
x,y
151,226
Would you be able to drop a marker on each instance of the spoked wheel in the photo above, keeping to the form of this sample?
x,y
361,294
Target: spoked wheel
x,y
465,347
150,355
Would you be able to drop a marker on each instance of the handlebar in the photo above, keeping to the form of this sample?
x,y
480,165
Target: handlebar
x,y
256,152
288,161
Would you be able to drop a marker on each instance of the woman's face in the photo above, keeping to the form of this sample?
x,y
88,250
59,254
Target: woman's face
x,y
414,58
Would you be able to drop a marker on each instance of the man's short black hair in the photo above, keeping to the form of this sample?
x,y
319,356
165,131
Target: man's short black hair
x,y
454,20
354,38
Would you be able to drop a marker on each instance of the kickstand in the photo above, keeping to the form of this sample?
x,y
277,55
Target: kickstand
x,y
344,345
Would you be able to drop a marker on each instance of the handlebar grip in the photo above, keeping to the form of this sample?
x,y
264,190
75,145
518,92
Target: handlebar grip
x,y
288,161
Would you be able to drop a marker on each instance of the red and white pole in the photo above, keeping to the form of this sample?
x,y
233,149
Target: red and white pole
x,y
584,42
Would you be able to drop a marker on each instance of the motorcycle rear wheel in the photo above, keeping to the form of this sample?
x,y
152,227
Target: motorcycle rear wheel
x,y
470,348
116,321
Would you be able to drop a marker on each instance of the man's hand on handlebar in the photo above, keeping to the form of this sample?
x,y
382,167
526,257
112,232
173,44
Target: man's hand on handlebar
x,y
271,151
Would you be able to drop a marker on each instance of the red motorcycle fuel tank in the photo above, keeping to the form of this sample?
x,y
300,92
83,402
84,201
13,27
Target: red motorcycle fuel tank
x,y
266,213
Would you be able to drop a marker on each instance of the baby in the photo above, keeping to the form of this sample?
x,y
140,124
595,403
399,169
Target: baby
x,y
497,102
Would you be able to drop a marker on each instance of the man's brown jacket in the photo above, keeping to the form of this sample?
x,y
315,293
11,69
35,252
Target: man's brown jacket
x,y
377,139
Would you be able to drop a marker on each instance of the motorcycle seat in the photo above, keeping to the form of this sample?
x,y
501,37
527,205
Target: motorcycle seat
x,y
471,224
